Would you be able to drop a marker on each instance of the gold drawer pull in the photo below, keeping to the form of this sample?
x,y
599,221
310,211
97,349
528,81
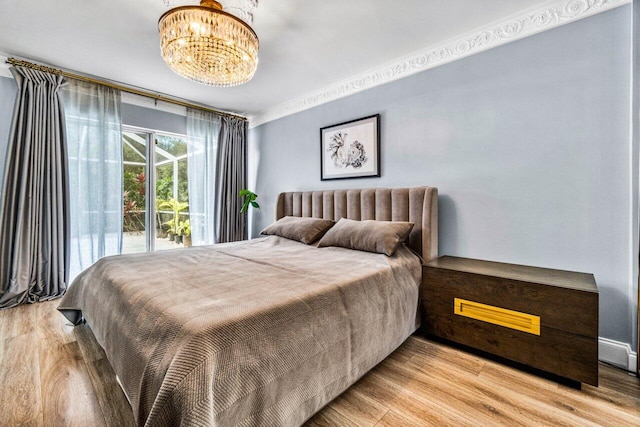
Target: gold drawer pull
x,y
498,316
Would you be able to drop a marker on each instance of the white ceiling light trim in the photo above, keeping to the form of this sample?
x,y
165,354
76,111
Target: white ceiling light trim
x,y
526,23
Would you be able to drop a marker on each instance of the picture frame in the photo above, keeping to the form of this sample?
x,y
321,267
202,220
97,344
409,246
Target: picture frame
x,y
350,149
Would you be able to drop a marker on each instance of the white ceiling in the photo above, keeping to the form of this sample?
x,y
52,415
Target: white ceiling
x,y
305,45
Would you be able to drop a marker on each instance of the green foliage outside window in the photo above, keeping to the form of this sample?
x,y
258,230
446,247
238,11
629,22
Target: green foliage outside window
x,y
134,198
134,182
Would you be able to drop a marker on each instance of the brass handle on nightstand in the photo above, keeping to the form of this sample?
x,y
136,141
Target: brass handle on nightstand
x,y
498,316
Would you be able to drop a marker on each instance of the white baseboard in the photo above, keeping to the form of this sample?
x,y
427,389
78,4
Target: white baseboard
x,y
617,353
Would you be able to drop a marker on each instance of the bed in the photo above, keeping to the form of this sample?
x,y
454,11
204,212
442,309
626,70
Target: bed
x,y
262,332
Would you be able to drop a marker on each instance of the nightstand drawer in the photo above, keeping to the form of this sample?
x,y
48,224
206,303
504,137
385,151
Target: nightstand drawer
x,y
558,352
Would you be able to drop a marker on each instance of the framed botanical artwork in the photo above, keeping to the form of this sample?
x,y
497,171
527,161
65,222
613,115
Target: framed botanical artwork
x,y
350,149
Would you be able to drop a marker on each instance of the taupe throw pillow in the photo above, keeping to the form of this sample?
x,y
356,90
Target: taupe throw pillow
x,y
382,237
305,230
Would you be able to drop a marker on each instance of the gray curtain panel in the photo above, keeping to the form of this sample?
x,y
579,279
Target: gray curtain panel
x,y
231,177
34,236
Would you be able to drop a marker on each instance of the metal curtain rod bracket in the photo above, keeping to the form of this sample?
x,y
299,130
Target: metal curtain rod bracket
x,y
157,97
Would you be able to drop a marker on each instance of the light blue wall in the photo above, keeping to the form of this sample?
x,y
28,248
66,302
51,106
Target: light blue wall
x,y
134,115
528,144
8,90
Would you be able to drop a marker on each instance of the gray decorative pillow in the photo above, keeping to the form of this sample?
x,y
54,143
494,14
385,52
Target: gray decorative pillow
x,y
382,237
305,230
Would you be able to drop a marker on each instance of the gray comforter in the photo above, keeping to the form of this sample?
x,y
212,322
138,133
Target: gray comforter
x,y
256,333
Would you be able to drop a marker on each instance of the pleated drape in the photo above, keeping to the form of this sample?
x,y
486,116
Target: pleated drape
x,y
34,236
231,177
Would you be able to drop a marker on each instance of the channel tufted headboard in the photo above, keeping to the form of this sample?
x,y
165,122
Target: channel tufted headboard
x,y
418,205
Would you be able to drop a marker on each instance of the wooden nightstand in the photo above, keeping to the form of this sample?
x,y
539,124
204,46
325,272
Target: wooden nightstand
x,y
546,319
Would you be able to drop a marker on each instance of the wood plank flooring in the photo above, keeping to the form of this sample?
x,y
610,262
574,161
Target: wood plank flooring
x,y
52,374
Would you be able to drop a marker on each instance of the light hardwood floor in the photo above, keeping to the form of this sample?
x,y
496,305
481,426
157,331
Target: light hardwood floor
x,y
52,374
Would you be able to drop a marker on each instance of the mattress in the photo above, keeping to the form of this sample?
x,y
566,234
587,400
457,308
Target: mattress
x,y
255,333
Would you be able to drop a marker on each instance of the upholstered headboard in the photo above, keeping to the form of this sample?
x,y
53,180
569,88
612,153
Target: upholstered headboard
x,y
418,205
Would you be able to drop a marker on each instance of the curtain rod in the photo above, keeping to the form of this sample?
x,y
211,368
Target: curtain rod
x,y
157,96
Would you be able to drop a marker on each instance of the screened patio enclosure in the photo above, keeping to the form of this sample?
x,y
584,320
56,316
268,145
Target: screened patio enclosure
x,y
156,164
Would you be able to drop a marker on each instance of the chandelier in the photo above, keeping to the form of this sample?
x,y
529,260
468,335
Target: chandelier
x,y
208,45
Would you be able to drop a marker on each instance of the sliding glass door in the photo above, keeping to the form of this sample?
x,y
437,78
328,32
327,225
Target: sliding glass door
x,y
134,196
172,224
154,164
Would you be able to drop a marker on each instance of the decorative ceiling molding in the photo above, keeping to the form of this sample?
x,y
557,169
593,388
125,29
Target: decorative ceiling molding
x,y
523,24
242,9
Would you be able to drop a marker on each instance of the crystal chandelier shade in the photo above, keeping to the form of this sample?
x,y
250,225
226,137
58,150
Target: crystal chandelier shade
x,y
207,45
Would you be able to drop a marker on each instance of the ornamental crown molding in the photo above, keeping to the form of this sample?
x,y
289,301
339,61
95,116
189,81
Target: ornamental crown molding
x,y
544,17
242,9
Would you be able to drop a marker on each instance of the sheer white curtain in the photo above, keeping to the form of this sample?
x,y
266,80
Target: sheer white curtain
x,y
203,129
94,138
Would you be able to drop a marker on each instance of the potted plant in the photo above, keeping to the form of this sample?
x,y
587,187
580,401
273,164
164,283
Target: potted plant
x,y
161,230
186,232
171,232
177,207
181,231
249,199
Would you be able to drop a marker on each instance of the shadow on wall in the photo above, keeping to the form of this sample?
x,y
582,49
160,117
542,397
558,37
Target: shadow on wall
x,y
253,170
614,301
264,215
447,226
